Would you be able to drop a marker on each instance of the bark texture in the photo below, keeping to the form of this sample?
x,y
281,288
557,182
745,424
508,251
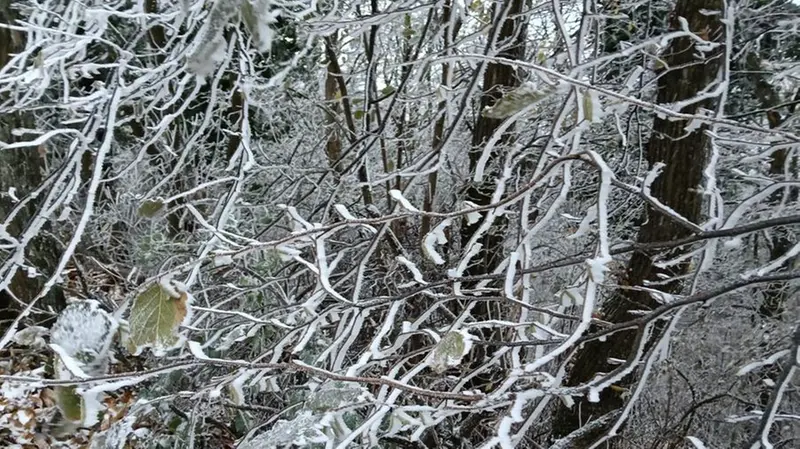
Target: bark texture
x,y
688,72
22,169
497,79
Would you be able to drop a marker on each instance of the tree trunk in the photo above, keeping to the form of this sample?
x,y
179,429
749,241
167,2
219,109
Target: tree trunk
x,y
22,169
687,73
497,79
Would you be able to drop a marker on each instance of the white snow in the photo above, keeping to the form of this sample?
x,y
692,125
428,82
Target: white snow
x,y
398,195
433,238
412,267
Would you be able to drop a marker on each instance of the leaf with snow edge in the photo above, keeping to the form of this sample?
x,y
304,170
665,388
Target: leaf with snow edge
x,y
592,107
412,267
69,403
342,210
222,258
85,331
236,388
76,406
334,395
31,336
598,268
257,17
516,100
210,40
305,429
156,315
448,353
66,367
571,297
472,217
585,225
150,207
398,195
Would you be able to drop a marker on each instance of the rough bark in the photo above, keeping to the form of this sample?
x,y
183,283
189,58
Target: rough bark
x,y
438,128
687,73
333,145
21,169
497,79
335,70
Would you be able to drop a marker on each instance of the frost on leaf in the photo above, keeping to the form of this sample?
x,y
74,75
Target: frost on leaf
x,y
257,17
451,349
515,101
303,430
32,336
84,332
69,403
210,41
592,107
435,237
334,395
150,207
82,337
156,316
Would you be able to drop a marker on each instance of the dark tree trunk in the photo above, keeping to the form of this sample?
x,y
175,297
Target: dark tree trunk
x,y
497,79
687,73
22,169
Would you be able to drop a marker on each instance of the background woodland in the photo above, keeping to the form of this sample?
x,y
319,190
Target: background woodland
x,y
399,224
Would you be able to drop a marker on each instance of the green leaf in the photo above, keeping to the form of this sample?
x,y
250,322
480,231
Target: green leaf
x,y
242,422
305,429
358,115
388,90
69,403
408,32
156,316
334,395
453,346
515,101
592,107
150,207
587,106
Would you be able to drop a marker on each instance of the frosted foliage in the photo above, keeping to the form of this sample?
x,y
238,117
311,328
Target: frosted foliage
x,y
397,223
304,430
451,349
85,332
210,45
334,395
32,336
258,16
156,316
518,99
